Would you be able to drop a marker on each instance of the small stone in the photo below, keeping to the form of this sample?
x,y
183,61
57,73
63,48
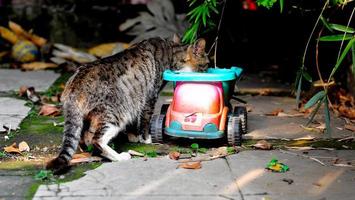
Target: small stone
x,y
45,149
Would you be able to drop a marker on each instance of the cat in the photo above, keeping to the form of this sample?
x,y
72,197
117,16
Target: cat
x,y
104,97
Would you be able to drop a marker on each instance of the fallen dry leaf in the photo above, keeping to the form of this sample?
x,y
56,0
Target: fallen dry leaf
x,y
300,148
350,127
275,112
135,153
346,111
174,155
49,110
190,165
81,155
85,160
282,114
22,91
38,66
262,144
221,151
348,138
23,146
308,137
12,149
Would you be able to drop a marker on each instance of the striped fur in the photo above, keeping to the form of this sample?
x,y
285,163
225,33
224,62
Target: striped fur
x,y
104,97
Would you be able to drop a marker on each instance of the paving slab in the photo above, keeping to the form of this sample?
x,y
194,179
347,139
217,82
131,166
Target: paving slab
x,y
12,112
8,182
12,79
311,179
156,178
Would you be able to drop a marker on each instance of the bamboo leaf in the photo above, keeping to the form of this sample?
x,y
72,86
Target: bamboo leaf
x,y
299,86
314,112
342,56
314,99
307,76
327,116
281,5
204,17
342,28
335,38
326,24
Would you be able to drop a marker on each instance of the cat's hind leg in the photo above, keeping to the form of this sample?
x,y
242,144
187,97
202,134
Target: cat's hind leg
x,y
107,132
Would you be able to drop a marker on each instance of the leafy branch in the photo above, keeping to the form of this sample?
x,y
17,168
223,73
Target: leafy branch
x,y
199,17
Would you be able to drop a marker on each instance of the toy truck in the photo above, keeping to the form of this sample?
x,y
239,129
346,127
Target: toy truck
x,y
201,107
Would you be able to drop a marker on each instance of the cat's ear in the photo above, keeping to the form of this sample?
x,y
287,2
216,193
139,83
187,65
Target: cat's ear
x,y
176,39
199,47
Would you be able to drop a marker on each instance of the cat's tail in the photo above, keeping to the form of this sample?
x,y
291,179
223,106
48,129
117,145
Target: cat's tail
x,y
72,132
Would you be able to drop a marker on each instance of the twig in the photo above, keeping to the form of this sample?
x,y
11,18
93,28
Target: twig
x,y
216,40
305,156
202,159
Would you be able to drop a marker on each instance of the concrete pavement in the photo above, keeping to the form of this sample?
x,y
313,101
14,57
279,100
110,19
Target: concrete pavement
x,y
240,176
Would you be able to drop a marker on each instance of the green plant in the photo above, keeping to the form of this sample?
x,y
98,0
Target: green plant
x,y
199,17
270,3
346,34
2,154
43,175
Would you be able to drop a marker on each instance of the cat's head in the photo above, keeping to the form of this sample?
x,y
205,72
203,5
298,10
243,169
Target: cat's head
x,y
190,58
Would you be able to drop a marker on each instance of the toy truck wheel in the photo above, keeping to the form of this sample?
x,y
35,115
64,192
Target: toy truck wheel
x,y
234,134
157,128
241,112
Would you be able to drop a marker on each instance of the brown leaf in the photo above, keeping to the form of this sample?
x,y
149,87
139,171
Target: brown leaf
x,y
12,149
23,146
263,144
81,155
85,160
350,127
282,114
221,151
174,155
22,91
49,110
275,112
38,65
190,165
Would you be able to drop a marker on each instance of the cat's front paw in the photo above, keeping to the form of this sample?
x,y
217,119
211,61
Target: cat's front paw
x,y
148,140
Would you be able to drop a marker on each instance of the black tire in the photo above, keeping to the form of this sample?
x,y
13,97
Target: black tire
x,y
241,112
234,135
157,128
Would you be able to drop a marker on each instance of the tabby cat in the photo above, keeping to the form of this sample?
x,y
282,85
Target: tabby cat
x,y
104,97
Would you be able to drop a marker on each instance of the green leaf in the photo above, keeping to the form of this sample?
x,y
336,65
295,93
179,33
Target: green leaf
x,y
342,56
299,86
342,28
192,2
314,99
90,148
327,116
194,146
307,76
43,175
353,58
314,112
281,5
266,3
326,24
335,38
202,150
